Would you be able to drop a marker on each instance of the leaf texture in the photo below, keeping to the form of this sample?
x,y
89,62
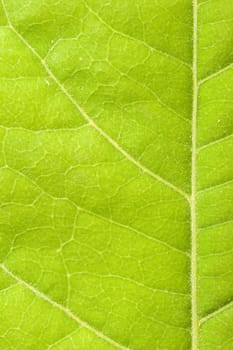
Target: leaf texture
x,y
116,175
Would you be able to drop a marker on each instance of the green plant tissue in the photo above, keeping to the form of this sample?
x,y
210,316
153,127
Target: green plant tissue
x,y
116,169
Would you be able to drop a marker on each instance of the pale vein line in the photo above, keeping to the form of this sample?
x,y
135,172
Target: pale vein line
x,y
41,131
211,76
65,310
91,121
136,39
153,93
141,233
130,280
158,99
203,3
92,213
216,312
4,290
217,22
212,188
215,142
216,225
193,194
223,253
61,340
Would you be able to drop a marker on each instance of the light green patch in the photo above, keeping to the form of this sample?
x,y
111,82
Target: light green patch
x,y
116,215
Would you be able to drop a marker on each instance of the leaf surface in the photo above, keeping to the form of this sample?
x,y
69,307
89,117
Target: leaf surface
x,y
116,175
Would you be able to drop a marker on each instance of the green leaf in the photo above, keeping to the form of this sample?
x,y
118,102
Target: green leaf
x,y
116,217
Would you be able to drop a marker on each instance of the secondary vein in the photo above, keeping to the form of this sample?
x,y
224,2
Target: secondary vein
x,y
68,312
90,121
